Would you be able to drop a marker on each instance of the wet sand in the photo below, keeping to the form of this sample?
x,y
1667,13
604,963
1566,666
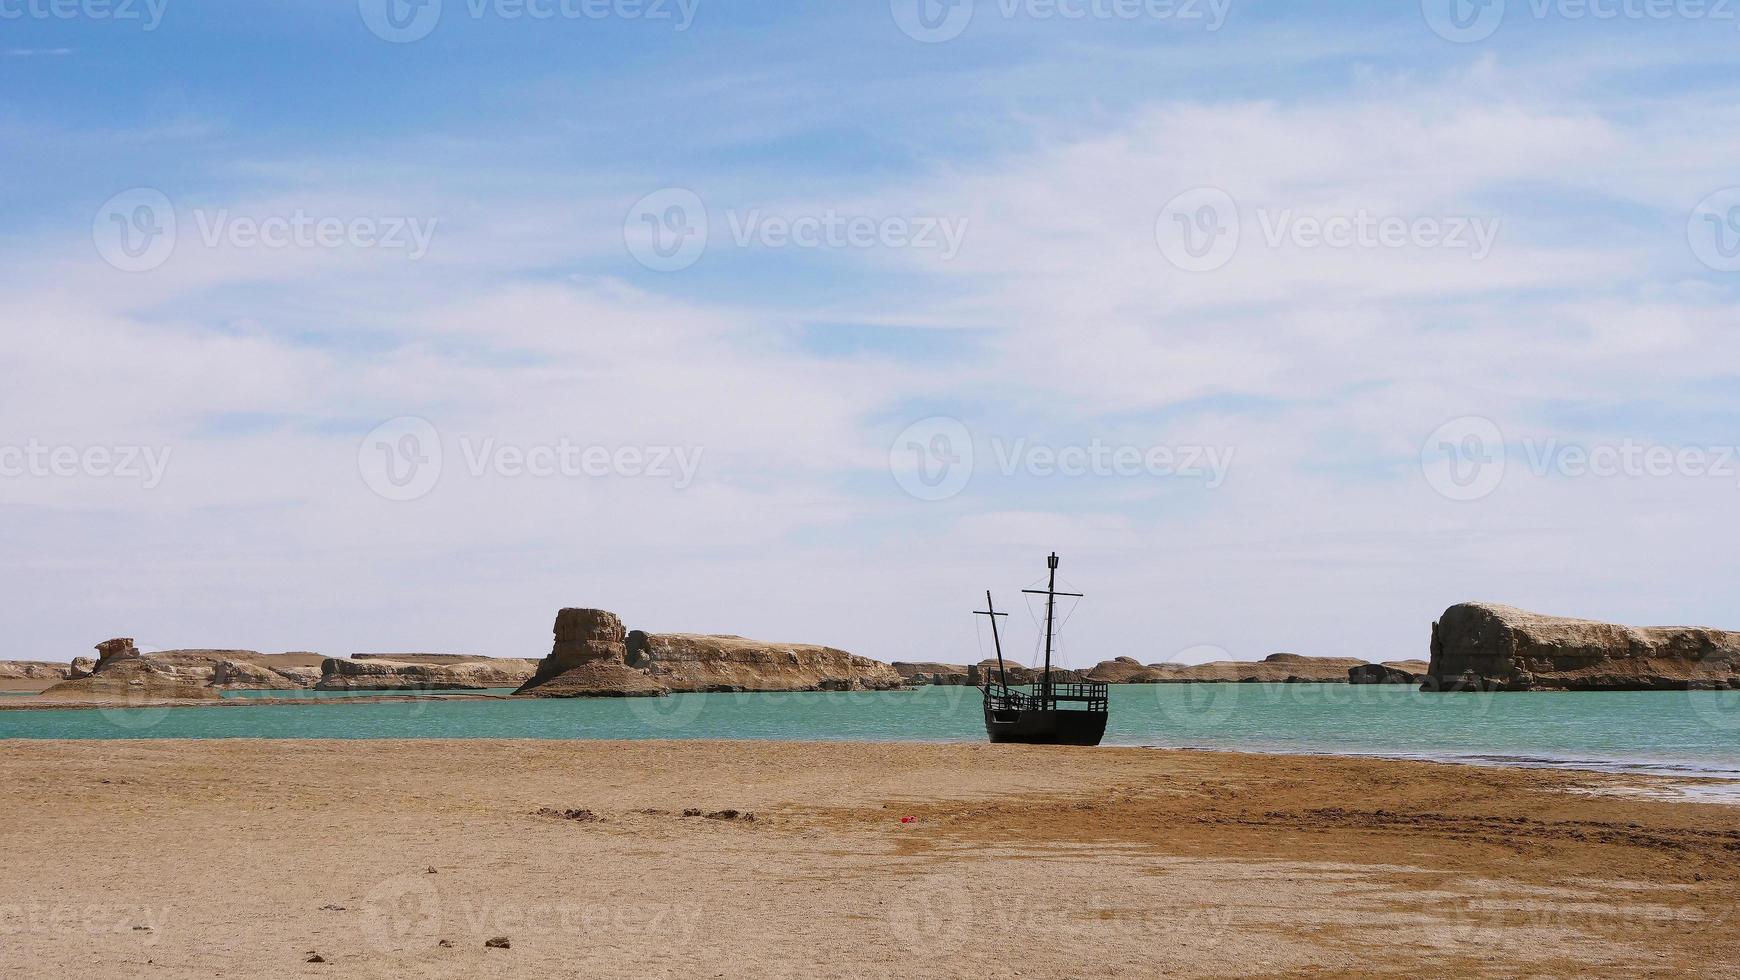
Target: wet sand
x,y
241,858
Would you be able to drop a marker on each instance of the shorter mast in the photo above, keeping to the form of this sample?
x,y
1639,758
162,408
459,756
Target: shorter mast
x,y
991,611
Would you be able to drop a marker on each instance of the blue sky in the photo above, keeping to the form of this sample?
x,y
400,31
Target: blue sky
x,y
535,152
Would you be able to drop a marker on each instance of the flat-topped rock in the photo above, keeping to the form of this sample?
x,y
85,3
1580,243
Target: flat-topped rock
x,y
375,673
1277,668
1483,646
707,662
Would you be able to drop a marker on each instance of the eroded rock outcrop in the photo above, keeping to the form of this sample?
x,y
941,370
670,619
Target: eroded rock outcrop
x,y
431,672
589,659
595,656
1389,672
1479,646
698,662
121,675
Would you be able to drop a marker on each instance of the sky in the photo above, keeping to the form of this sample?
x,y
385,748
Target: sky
x,y
373,326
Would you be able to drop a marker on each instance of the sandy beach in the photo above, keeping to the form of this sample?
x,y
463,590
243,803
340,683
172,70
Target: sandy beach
x,y
402,859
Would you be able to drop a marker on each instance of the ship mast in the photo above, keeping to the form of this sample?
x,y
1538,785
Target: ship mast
x,y
1050,595
991,611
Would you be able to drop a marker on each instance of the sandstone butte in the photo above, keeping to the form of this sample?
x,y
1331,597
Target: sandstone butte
x,y
1478,646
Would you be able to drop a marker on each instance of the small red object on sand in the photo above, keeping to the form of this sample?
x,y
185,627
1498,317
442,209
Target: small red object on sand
x,y
907,819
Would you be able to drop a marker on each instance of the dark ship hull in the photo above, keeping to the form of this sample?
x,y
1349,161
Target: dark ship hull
x,y
1034,726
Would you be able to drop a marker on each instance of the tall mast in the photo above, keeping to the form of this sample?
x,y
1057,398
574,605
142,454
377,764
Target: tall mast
x,y
1050,595
991,611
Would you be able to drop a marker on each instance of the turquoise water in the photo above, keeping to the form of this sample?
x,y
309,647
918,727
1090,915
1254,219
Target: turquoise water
x,y
307,693
1692,732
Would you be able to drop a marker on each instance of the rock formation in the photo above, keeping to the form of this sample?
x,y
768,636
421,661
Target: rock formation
x,y
1277,668
589,659
1389,672
695,662
122,675
1487,647
986,671
931,673
432,672
595,656
119,648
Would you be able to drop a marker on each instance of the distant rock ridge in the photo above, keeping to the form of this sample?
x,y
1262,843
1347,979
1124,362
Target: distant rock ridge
x,y
1479,646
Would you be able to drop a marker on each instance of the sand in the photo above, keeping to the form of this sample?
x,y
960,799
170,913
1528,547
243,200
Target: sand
x,y
240,858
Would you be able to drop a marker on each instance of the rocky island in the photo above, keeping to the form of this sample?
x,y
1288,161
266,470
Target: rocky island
x,y
1480,646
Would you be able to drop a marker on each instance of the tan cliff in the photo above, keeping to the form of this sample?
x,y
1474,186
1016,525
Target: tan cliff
x,y
697,662
1478,646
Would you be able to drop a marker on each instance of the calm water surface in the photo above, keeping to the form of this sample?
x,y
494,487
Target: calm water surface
x,y
1688,732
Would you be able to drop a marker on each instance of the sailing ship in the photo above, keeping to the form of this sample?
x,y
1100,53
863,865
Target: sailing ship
x,y
1044,712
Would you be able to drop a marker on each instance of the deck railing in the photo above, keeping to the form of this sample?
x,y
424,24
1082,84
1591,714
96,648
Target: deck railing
x,y
1092,693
